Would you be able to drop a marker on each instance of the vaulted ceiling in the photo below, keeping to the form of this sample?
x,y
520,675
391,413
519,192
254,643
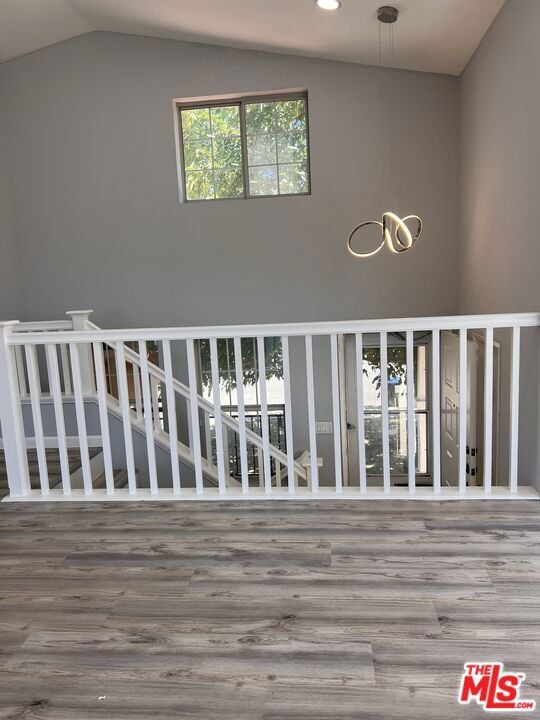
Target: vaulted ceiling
x,y
431,35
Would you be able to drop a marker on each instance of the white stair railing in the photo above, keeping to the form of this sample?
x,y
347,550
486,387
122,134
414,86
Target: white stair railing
x,y
161,379
72,357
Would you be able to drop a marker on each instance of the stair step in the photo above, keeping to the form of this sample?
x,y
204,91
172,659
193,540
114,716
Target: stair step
x,y
120,480
53,467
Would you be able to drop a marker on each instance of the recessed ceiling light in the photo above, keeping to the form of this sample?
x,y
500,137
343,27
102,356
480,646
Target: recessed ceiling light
x,y
328,4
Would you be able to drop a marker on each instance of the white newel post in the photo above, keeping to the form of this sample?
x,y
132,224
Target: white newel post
x,y
80,319
11,418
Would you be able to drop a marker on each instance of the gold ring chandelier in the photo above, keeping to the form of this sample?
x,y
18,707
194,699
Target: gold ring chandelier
x,y
396,234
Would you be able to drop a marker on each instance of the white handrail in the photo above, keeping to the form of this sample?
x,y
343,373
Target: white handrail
x,y
43,326
426,324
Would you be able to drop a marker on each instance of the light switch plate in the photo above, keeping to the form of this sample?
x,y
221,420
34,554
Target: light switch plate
x,y
323,428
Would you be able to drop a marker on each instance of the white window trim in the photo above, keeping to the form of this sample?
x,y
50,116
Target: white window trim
x,y
241,98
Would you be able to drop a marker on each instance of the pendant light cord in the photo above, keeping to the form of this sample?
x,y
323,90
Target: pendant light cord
x,y
381,119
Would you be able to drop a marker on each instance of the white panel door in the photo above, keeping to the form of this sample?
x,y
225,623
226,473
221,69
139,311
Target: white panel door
x,y
450,409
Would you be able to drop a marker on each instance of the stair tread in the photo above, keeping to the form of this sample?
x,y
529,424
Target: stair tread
x,y
120,480
53,466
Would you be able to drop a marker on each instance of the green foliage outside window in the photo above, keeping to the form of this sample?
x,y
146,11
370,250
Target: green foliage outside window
x,y
269,139
250,367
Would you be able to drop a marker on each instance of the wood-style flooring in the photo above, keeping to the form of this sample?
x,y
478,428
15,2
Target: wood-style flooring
x,y
263,611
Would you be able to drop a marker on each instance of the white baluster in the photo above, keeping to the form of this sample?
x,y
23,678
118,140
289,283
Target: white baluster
x,y
171,415
261,356
11,418
137,391
384,413
194,411
154,388
123,394
207,436
241,414
260,467
218,420
65,369
56,392
81,418
226,454
35,398
514,409
149,423
291,481
336,413
360,411
436,410
19,361
312,426
411,422
101,384
462,410
488,409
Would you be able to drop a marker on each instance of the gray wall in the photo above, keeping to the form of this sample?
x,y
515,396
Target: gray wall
x,y
500,180
9,305
100,225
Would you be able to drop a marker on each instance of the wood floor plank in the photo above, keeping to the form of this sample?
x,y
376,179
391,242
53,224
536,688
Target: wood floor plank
x,y
366,703
333,584
10,640
71,579
29,611
439,662
433,546
102,694
227,657
508,619
175,553
521,582
297,618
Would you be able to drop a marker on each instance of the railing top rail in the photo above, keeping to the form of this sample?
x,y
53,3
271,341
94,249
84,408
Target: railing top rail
x,y
43,326
453,322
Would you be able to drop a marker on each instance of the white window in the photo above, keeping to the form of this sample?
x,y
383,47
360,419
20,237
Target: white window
x,y
246,148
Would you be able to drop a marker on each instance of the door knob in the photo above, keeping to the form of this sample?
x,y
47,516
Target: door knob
x,y
350,426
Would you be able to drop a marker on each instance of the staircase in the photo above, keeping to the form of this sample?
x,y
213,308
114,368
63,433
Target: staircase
x,y
145,372
132,391
54,470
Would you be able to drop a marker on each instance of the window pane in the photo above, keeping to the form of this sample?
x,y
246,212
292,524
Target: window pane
x,y
260,118
211,139
197,155
291,115
293,179
229,184
397,377
262,150
195,123
263,180
397,425
277,136
226,121
292,147
227,153
199,185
